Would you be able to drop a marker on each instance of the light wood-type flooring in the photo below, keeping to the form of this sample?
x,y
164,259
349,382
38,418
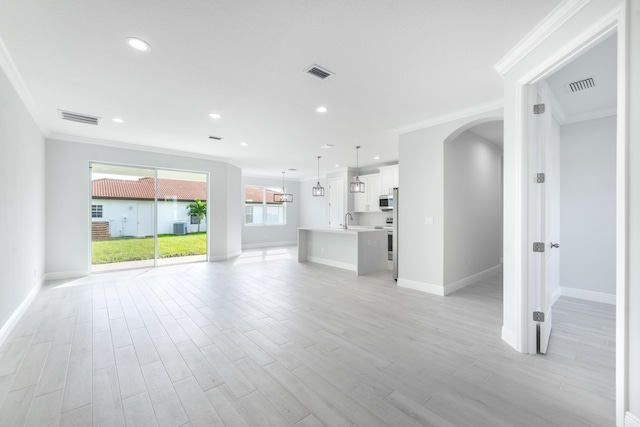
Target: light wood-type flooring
x,y
262,340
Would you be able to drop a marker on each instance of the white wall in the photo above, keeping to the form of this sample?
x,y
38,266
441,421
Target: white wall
x,y
266,235
632,322
313,210
472,207
121,215
588,206
68,190
22,207
421,194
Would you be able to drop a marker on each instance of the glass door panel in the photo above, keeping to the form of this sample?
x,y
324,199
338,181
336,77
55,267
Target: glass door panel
x,y
182,217
122,217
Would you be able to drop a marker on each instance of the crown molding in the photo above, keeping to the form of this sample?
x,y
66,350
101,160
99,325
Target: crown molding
x,y
456,115
138,147
16,80
558,16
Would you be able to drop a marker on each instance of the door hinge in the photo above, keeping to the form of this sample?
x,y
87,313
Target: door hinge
x,y
540,178
538,246
538,316
538,109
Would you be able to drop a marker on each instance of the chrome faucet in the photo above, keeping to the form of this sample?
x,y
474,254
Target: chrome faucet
x,y
346,221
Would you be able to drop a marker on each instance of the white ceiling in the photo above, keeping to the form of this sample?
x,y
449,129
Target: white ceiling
x,y
598,62
396,64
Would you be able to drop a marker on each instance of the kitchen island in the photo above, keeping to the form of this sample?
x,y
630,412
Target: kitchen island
x,y
361,250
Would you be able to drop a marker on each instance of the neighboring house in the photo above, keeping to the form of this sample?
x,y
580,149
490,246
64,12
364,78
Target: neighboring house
x,y
122,207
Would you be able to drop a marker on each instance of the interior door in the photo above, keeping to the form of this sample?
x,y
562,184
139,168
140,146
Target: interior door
x,y
545,210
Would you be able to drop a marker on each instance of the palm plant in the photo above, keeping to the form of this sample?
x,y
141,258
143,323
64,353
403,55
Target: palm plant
x,y
198,209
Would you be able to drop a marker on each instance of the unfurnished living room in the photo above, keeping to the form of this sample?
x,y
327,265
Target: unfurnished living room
x,y
297,213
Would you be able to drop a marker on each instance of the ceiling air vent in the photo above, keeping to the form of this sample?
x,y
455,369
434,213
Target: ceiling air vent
x,y
80,118
217,138
318,71
581,85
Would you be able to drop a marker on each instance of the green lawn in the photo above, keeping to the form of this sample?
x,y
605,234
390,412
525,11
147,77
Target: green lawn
x,y
134,248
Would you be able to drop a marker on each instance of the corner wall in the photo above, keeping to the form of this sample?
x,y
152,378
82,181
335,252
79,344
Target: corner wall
x,y
68,205
22,212
421,206
472,209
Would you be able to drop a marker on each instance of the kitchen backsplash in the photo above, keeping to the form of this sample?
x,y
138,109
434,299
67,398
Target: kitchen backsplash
x,y
372,218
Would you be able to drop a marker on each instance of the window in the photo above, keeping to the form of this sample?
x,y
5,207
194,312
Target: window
x,y
96,211
259,207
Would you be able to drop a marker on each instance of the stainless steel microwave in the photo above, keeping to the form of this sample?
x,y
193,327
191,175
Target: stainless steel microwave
x,y
386,202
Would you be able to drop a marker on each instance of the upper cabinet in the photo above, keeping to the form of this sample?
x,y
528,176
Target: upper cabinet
x,y
368,201
389,177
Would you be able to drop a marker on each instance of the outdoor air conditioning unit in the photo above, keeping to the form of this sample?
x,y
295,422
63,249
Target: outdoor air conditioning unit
x,y
179,228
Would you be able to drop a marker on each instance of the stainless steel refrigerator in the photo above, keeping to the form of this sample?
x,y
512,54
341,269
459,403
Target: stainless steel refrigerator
x,y
396,205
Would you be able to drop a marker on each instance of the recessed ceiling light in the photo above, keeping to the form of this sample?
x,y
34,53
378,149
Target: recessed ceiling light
x,y
327,146
321,109
215,115
244,144
118,120
138,44
337,166
376,158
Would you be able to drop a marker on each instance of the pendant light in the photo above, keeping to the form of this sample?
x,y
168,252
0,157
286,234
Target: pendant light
x,y
318,190
357,186
283,197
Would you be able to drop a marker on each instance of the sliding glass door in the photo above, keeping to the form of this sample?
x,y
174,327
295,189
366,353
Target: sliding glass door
x,y
142,217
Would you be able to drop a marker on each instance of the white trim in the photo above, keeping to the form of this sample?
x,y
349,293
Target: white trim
x,y
540,32
588,295
331,263
592,115
556,294
469,280
421,286
138,147
71,274
269,244
631,420
510,338
456,115
14,76
11,322
218,258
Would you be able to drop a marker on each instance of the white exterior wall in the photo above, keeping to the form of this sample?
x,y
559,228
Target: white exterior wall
x,y
122,216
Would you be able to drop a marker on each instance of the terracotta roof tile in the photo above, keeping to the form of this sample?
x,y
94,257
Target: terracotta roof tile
x,y
143,189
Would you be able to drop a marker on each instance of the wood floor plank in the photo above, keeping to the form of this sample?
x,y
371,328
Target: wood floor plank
x,y
262,339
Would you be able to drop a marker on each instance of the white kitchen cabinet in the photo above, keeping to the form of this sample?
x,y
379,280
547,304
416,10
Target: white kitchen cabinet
x,y
389,176
368,201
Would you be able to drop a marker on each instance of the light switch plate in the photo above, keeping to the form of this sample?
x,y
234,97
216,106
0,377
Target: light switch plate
x,y
428,220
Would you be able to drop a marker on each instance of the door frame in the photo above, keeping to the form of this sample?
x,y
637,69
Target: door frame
x,y
614,22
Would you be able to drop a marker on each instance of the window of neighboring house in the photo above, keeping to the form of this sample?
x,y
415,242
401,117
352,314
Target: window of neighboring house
x,y
96,211
259,207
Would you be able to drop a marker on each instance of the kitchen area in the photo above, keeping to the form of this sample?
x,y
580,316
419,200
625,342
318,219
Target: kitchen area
x,y
364,238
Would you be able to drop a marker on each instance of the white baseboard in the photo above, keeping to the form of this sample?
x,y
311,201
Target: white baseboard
x,y
631,420
452,287
331,263
217,258
556,294
588,295
269,244
509,337
421,286
61,275
17,314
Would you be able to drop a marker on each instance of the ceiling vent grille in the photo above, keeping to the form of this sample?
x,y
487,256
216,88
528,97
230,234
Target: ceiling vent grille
x,y
217,138
581,85
319,72
79,118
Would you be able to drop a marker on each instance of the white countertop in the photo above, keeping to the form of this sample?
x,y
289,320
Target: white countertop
x,y
351,230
